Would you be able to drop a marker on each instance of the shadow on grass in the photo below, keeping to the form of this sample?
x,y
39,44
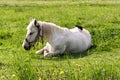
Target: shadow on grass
x,y
1,64
65,56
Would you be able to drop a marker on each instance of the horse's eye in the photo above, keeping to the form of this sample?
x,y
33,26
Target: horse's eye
x,y
31,33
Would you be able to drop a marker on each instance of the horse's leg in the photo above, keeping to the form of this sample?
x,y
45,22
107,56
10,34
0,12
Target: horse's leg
x,y
54,52
40,51
48,52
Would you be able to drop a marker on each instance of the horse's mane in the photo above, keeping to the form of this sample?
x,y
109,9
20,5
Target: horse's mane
x,y
53,27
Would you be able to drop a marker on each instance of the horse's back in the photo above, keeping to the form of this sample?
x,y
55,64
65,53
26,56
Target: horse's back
x,y
78,40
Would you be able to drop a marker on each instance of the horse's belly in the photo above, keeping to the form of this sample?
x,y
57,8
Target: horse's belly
x,y
76,49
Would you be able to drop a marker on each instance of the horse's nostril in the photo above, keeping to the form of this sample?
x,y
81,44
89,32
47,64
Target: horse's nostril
x,y
27,47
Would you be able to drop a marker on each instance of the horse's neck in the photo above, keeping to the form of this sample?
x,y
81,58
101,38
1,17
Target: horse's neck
x,y
51,31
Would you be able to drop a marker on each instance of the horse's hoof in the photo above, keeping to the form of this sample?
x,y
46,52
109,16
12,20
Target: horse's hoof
x,y
47,55
39,52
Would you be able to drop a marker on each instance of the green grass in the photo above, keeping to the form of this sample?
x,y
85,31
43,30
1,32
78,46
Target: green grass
x,y
101,18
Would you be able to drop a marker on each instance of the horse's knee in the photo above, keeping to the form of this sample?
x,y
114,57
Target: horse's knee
x,y
47,53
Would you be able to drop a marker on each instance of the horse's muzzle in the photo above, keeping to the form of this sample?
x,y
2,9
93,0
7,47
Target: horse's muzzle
x,y
27,47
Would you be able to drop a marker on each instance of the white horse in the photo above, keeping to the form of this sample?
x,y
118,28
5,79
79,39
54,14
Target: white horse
x,y
59,40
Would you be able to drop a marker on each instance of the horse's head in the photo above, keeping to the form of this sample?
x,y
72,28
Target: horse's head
x,y
33,34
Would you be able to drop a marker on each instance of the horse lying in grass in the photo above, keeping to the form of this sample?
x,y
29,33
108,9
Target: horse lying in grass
x,y
59,40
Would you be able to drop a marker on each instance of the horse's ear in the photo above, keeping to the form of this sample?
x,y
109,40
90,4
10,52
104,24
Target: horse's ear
x,y
31,19
36,23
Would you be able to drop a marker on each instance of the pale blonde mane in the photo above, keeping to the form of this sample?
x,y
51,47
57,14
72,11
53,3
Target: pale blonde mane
x,y
53,27
50,28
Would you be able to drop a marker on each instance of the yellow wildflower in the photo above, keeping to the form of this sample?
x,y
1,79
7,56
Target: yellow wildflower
x,y
40,79
2,77
77,65
13,75
61,72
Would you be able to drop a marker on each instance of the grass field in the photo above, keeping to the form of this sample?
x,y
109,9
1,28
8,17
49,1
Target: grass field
x,y
101,18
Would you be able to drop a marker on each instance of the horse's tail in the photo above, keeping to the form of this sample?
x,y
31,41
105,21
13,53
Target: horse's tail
x,y
80,27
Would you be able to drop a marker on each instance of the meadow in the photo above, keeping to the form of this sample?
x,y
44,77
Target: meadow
x,y
101,18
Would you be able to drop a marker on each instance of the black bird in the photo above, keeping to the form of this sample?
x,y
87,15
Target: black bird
x,y
78,26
